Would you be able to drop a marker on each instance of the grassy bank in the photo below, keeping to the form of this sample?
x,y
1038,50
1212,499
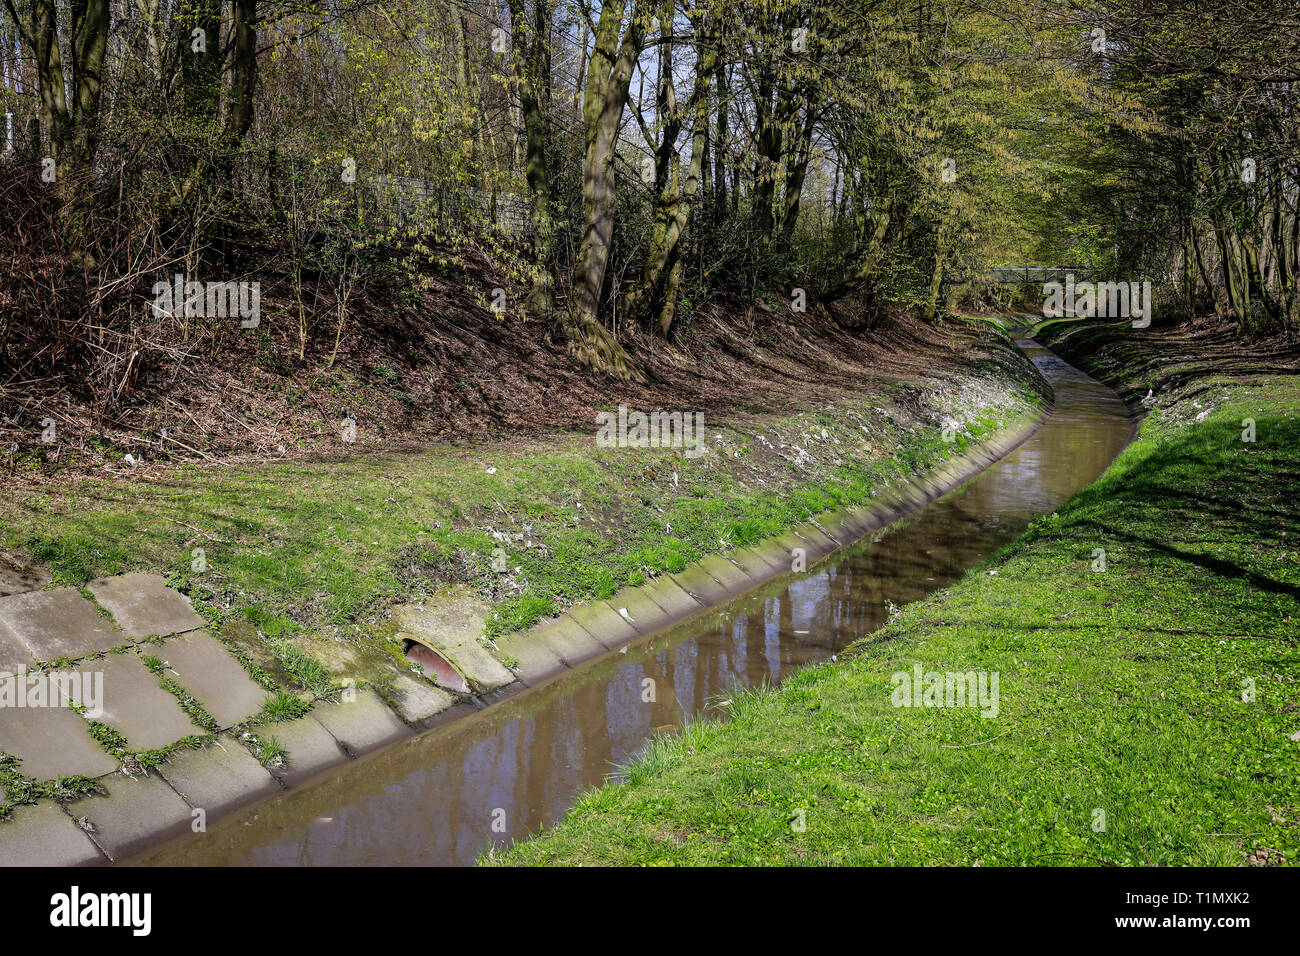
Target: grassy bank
x,y
304,558
1148,712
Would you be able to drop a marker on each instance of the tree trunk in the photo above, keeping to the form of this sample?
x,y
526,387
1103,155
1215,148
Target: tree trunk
x,y
609,72
936,279
532,51
860,266
720,146
796,173
661,276
767,158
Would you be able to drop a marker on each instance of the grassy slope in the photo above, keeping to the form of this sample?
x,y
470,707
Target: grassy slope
x,y
312,552
1120,691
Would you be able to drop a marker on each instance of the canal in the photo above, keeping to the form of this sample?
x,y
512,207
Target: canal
x,y
445,796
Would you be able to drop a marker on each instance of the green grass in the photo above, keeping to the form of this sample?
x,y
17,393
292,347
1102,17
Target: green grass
x,y
17,790
310,554
1120,694
281,707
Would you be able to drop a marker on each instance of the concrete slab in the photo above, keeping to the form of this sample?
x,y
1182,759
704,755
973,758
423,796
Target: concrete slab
x,y
203,666
812,550
893,501
670,596
703,586
137,812
787,542
362,724
887,513
535,660
43,835
418,700
775,553
58,624
604,623
17,577
14,654
816,537
144,606
309,747
219,778
645,614
832,528
570,641
780,550
933,487
51,742
858,521
450,626
839,524
135,706
757,564
728,573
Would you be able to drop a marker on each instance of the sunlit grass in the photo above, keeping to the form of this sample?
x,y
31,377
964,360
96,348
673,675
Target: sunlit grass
x,y
1122,735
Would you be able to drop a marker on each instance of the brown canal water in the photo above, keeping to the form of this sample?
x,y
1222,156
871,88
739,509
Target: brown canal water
x,y
445,796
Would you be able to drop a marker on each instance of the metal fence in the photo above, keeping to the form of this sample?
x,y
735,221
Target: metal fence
x,y
1006,275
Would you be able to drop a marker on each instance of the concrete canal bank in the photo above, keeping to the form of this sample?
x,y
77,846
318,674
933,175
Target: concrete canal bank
x,y
188,728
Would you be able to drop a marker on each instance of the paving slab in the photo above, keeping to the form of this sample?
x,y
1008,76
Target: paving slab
x,y
14,654
952,471
58,624
727,573
309,747
134,705
894,501
670,596
817,538
887,512
605,624
220,777
701,585
362,724
201,664
17,577
418,700
144,605
858,521
787,543
137,812
832,526
645,615
450,626
41,834
813,549
757,564
51,742
934,488
570,641
535,659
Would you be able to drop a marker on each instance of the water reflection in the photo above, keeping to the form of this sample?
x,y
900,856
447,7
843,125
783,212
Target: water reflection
x,y
435,799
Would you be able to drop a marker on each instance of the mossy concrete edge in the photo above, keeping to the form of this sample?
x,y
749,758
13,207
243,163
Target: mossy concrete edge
x,y
593,630
590,631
